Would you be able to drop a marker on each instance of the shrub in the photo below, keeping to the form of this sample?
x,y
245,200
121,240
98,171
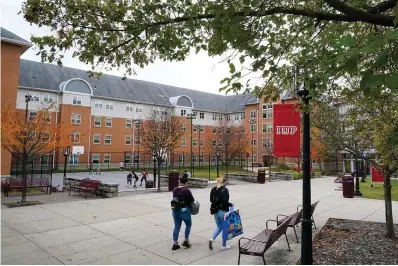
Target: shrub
x,y
297,175
282,166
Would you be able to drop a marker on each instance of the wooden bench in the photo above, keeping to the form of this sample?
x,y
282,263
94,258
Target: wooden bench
x,y
258,245
87,185
17,183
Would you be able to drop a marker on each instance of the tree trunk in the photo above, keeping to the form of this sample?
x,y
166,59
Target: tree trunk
x,y
24,177
158,181
388,206
269,167
226,170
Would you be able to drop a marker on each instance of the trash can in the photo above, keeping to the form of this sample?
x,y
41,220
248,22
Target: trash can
x,y
348,186
173,180
261,176
149,184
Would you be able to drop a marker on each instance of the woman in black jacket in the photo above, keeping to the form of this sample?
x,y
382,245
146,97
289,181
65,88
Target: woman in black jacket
x,y
219,198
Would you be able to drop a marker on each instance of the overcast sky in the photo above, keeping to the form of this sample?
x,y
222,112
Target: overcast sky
x,y
199,72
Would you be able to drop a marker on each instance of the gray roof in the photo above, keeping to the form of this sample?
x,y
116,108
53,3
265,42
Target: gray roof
x,y
48,76
9,37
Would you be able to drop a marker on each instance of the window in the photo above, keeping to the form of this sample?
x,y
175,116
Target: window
x,y
45,160
236,117
267,111
195,129
201,129
97,121
253,114
242,130
194,142
107,158
242,116
253,158
127,140
195,113
228,130
32,116
183,142
201,158
214,117
108,122
97,139
47,117
98,104
74,159
138,110
220,130
267,143
76,119
267,128
252,128
214,130
194,159
49,98
108,105
202,143
202,115
214,142
108,139
127,158
136,159
77,100
184,127
183,112
164,112
129,107
228,117
182,158
220,143
219,117
96,158
129,123
75,137
35,97
45,137
253,142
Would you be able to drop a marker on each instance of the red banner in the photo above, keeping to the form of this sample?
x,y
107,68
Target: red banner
x,y
377,176
286,131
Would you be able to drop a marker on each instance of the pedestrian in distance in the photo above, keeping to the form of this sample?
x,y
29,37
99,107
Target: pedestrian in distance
x,y
219,198
144,176
90,167
135,179
182,198
129,179
98,168
188,174
121,165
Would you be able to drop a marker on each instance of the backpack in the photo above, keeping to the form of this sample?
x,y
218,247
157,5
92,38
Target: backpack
x,y
176,203
216,200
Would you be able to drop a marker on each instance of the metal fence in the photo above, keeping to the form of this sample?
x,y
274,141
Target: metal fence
x,y
39,165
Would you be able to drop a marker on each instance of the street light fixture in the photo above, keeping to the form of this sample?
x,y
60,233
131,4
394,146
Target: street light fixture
x,y
138,123
66,154
28,98
191,117
306,232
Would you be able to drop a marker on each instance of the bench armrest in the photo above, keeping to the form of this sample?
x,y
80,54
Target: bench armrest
x,y
299,206
266,224
250,239
277,217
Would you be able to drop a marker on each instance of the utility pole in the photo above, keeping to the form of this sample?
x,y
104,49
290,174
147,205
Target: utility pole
x,y
191,117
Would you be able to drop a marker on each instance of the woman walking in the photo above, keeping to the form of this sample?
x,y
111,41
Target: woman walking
x,y
182,198
219,198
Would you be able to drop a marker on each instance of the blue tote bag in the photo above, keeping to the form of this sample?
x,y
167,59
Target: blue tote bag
x,y
232,224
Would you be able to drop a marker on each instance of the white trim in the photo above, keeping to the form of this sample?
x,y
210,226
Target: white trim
x,y
12,41
63,85
174,100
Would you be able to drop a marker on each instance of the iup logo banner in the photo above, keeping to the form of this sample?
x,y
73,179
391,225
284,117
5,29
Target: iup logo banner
x,y
286,132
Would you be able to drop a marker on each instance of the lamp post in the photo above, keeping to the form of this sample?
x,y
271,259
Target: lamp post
x,y
66,154
191,117
137,123
28,98
364,167
217,158
306,232
199,129
252,123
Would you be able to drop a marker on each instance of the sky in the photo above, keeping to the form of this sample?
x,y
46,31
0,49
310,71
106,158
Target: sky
x,y
198,72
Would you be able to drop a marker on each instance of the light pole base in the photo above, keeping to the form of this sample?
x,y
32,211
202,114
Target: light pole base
x,y
358,193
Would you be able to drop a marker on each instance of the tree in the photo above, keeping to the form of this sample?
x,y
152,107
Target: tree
x,y
27,137
161,134
329,39
365,124
268,151
231,141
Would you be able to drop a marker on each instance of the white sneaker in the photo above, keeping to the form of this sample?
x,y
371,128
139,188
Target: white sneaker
x,y
225,248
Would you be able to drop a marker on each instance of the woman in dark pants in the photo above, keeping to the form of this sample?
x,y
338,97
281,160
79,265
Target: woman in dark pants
x,y
182,212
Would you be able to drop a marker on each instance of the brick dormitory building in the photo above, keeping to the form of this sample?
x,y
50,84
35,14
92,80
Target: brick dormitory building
x,y
103,110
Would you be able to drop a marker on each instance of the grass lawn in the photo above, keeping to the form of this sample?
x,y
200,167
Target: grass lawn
x,y
377,191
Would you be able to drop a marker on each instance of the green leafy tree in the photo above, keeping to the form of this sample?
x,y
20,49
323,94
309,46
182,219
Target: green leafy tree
x,y
329,39
364,124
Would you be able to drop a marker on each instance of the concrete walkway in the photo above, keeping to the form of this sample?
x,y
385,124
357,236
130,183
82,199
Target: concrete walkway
x,y
138,229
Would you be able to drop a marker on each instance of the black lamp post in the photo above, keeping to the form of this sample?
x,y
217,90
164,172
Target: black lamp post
x,y
306,232
191,117
138,122
28,98
154,170
252,123
217,158
66,154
